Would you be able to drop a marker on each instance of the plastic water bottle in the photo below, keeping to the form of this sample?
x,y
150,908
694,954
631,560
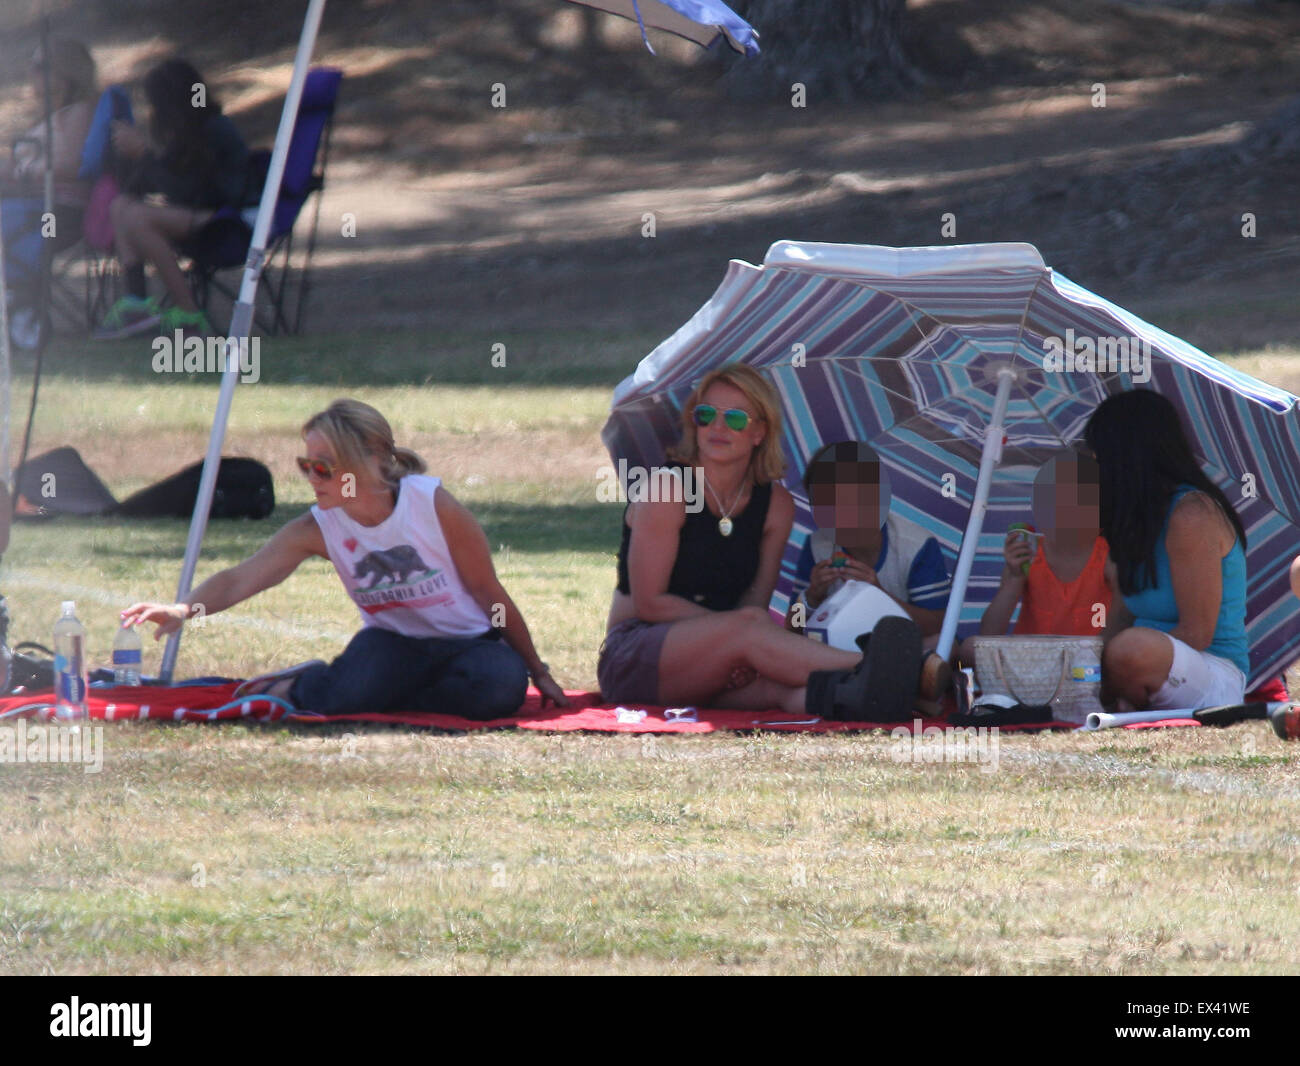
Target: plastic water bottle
x,y
127,656
69,664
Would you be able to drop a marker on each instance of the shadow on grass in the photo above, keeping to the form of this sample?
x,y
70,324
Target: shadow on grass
x,y
532,528
588,527
498,358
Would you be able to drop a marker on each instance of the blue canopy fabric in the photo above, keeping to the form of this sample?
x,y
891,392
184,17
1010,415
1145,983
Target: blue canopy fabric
x,y
701,21
902,348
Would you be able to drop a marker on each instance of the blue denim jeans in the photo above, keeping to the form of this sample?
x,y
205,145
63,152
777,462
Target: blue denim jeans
x,y
20,223
379,670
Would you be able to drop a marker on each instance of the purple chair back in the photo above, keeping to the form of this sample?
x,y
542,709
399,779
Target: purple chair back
x,y
223,242
320,92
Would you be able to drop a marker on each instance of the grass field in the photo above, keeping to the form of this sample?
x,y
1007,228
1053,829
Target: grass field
x,y
241,849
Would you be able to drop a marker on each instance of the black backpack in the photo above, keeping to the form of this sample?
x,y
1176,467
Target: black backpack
x,y
244,490
60,482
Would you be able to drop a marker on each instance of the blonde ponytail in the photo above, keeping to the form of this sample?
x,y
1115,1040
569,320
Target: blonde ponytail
x,y
403,462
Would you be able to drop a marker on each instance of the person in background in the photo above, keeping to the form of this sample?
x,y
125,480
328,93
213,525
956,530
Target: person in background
x,y
74,93
195,161
1177,630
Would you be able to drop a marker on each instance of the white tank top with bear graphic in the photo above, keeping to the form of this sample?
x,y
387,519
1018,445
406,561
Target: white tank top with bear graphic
x,y
399,573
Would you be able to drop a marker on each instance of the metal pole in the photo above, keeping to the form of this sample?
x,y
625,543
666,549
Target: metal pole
x,y
6,398
43,325
242,319
990,458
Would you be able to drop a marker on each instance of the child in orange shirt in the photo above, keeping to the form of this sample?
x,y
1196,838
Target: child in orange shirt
x,y
1057,577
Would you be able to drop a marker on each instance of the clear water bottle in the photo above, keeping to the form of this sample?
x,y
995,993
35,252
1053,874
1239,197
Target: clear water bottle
x,y
127,656
69,664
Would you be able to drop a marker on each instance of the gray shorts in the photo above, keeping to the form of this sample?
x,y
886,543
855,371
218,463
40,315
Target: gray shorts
x,y
628,668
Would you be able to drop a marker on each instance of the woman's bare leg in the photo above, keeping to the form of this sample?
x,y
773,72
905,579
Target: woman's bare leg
x,y
699,655
118,211
763,695
149,232
1136,664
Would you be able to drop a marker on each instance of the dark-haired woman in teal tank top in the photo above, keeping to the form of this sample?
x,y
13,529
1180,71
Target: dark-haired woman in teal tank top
x,y
1176,638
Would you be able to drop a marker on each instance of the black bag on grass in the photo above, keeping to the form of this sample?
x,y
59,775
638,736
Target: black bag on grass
x,y
31,668
60,482
244,490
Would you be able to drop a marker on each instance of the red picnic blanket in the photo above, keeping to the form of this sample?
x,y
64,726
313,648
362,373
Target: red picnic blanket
x,y
216,703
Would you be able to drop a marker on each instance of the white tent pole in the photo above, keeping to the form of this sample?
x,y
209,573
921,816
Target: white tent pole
x,y
990,458
242,318
5,396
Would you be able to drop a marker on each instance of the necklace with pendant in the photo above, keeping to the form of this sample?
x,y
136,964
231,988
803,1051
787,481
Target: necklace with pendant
x,y
725,524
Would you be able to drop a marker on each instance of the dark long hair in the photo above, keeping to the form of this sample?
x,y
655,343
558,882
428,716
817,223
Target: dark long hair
x,y
177,125
1144,455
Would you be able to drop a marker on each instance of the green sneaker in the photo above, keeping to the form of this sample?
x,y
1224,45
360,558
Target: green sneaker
x,y
190,323
129,316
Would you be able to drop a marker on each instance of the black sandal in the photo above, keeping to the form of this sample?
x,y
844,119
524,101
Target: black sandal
x,y
882,687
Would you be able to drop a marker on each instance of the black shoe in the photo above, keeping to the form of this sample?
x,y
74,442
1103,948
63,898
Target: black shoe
x,y
882,687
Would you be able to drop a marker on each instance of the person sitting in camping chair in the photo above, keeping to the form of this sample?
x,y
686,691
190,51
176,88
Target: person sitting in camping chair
x,y
196,161
73,92
439,631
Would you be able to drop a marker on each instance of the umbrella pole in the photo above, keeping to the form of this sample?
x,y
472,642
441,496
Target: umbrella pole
x,y
990,458
242,320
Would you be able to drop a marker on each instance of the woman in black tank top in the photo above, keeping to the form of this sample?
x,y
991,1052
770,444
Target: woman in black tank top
x,y
690,622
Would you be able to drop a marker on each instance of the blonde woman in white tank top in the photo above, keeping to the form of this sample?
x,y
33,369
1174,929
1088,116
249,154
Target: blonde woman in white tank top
x,y
439,633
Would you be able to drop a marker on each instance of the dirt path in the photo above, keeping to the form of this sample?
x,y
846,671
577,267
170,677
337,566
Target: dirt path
x,y
530,216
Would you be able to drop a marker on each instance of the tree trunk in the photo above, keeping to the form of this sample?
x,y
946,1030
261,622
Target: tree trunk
x,y
836,49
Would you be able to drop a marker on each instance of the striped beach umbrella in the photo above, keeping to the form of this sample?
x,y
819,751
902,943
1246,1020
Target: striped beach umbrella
x,y
965,367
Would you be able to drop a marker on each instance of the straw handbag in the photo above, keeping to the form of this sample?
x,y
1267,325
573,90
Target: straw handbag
x,y
1061,672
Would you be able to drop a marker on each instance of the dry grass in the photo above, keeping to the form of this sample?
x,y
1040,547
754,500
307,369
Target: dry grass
x,y
236,850
240,849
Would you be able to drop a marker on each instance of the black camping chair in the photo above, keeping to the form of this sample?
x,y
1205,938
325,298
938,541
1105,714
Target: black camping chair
x,y
223,243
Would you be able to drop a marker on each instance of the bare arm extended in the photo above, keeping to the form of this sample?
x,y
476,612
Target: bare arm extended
x,y
268,566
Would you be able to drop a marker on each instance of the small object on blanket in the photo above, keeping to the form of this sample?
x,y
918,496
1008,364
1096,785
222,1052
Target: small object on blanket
x,y
1230,714
996,711
628,716
1285,719
964,689
793,721
681,714
992,701
1119,719
255,686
